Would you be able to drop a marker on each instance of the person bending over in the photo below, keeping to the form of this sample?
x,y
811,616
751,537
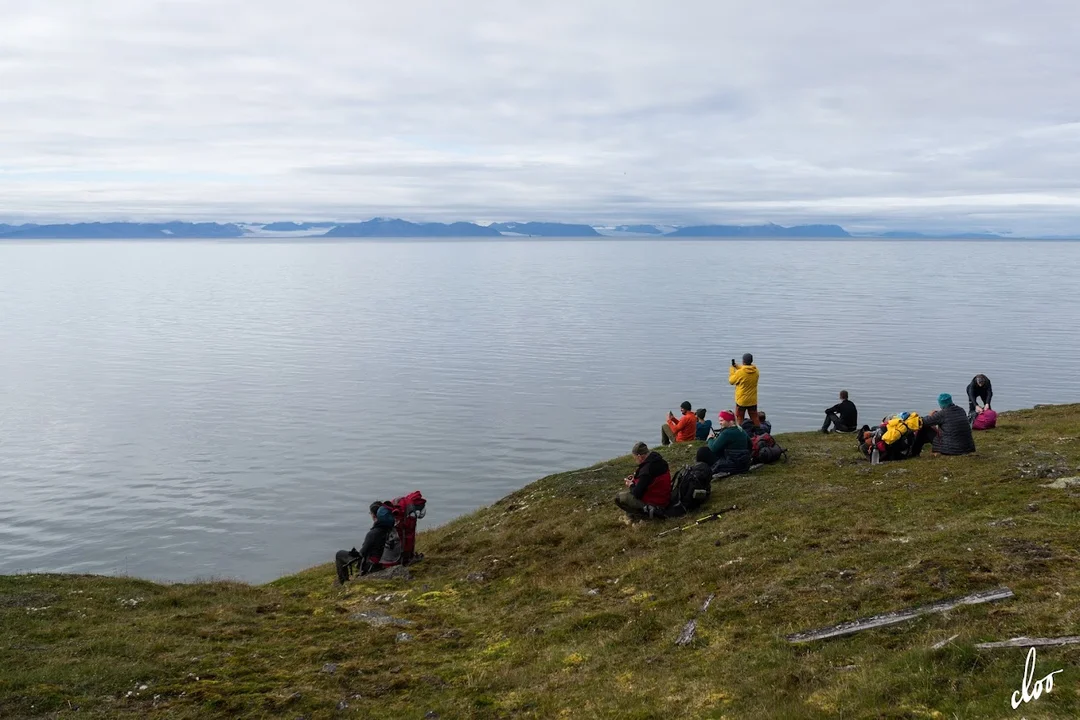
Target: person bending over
x,y
731,447
649,488
979,389
947,429
682,430
381,547
745,380
843,416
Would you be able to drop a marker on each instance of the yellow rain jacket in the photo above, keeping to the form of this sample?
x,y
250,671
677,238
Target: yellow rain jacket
x,y
744,378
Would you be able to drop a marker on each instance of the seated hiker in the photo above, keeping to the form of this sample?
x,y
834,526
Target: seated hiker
x,y
649,488
947,429
843,416
979,389
745,379
763,427
381,547
683,429
731,446
704,427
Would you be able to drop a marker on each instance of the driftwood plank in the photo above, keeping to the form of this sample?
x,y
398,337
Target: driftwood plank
x,y
943,643
893,618
687,635
1026,642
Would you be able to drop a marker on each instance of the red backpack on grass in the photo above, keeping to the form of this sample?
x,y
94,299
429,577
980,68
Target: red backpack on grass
x,y
407,510
763,449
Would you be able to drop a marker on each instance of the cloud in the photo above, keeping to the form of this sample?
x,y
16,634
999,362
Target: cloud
x,y
922,114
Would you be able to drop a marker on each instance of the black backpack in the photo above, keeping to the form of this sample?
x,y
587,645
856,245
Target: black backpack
x,y
691,487
764,449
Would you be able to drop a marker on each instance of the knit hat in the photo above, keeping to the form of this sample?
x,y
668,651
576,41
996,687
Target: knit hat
x,y
747,359
727,416
686,406
944,400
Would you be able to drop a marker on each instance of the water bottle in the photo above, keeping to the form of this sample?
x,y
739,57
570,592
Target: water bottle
x,y
875,457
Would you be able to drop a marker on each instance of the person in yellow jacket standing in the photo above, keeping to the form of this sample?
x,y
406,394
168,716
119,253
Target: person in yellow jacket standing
x,y
745,379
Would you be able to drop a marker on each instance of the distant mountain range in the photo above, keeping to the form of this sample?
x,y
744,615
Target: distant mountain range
x,y
543,229
393,228
760,231
639,229
398,228
296,227
121,231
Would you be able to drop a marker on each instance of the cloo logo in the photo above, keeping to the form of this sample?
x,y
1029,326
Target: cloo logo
x,y
1027,691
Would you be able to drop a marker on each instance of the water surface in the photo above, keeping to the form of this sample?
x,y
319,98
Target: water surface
x,y
177,410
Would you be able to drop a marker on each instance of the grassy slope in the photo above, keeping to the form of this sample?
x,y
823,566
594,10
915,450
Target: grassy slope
x,y
821,539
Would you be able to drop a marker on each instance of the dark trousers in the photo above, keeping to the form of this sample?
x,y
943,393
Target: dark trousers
x,y
733,463
741,413
635,508
833,419
926,435
342,563
667,435
348,561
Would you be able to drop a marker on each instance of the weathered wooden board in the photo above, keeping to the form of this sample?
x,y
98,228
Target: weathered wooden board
x,y
943,643
687,635
1025,642
893,618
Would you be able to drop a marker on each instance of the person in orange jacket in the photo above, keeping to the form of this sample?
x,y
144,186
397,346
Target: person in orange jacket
x,y
682,430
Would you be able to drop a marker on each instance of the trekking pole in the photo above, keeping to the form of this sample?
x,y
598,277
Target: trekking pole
x,y
699,521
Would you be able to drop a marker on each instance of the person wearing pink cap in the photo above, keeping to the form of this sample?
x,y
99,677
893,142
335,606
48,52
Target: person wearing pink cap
x,y
730,447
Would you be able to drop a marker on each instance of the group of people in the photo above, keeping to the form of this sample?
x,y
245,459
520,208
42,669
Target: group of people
x,y
727,449
693,425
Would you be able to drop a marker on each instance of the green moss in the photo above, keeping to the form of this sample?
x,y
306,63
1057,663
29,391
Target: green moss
x,y
576,614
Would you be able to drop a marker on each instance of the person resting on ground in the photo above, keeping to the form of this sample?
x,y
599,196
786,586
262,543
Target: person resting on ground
x,y
682,430
979,389
649,488
381,547
731,447
745,380
763,426
843,416
947,429
704,427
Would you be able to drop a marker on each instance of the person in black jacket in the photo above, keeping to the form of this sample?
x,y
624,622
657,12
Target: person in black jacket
x,y
979,389
843,416
380,548
948,429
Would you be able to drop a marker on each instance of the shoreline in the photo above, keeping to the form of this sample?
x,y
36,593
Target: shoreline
x,y
544,604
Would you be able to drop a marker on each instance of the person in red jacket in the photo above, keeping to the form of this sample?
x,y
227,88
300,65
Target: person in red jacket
x,y
649,487
682,430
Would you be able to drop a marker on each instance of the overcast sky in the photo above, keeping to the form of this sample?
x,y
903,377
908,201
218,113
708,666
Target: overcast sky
x,y
938,114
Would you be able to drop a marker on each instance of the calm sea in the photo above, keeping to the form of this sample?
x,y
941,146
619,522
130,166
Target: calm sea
x,y
180,410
